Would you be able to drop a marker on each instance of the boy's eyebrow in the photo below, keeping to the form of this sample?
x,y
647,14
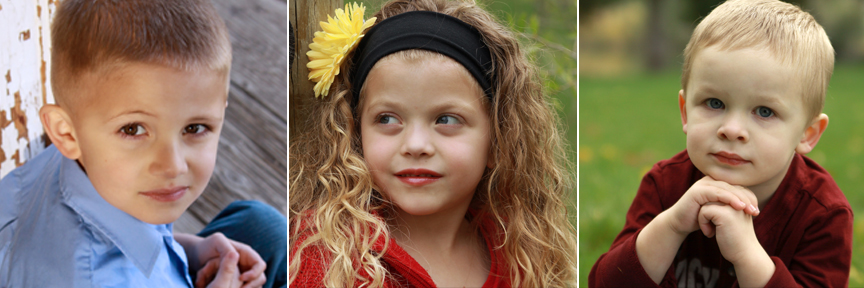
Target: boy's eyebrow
x,y
771,100
705,89
131,112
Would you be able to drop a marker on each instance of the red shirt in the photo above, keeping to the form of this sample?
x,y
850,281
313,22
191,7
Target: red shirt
x,y
404,270
806,228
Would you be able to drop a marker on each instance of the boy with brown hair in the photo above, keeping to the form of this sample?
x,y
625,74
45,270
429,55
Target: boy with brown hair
x,y
754,81
141,89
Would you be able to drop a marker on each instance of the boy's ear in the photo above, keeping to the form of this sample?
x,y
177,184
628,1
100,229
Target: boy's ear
x,y
58,127
681,102
812,134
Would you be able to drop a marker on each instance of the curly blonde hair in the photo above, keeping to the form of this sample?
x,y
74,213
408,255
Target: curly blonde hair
x,y
333,200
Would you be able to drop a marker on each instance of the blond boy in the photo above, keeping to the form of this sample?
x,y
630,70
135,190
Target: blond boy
x,y
754,81
141,90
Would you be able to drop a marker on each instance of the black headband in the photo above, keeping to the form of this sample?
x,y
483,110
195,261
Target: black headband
x,y
425,30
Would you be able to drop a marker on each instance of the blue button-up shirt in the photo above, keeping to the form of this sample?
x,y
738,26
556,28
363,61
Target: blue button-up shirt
x,y
57,231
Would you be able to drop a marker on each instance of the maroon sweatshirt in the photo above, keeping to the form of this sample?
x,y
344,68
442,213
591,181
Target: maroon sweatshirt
x,y
403,269
806,228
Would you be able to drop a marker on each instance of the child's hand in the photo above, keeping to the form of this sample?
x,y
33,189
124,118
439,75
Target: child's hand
x,y
738,243
212,251
226,273
706,190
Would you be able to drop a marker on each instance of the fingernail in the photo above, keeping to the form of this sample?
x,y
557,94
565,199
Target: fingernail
x,y
754,209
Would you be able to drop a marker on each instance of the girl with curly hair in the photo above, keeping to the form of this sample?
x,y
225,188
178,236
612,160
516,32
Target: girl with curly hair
x,y
434,160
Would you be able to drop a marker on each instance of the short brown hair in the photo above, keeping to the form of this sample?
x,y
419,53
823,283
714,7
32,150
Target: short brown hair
x,y
91,35
790,34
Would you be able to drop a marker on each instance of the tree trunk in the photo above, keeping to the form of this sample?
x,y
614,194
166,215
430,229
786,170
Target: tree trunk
x,y
656,53
304,18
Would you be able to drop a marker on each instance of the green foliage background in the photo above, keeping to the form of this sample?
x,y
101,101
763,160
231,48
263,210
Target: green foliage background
x,y
629,123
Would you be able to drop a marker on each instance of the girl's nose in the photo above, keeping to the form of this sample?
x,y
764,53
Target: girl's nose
x,y
417,142
169,161
733,129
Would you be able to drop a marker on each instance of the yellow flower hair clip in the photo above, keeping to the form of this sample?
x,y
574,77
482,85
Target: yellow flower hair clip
x,y
330,46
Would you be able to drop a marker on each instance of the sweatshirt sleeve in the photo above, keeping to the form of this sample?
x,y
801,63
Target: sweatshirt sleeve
x,y
620,267
823,257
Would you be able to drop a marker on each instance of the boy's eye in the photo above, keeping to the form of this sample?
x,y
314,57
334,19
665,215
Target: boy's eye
x,y
715,103
195,129
133,129
764,112
447,119
387,119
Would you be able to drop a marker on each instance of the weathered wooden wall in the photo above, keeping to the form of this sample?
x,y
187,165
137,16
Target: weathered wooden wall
x,y
24,78
253,149
252,159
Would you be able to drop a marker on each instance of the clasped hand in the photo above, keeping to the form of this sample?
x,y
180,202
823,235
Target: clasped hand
x,y
723,210
221,262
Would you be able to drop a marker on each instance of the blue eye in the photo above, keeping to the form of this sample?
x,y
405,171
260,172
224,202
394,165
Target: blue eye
x,y
446,119
714,103
386,119
764,112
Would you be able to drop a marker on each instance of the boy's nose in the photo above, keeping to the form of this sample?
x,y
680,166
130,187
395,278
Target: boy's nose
x,y
733,129
417,141
169,162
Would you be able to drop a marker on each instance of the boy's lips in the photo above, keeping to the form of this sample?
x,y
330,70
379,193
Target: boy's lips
x,y
166,194
729,158
417,176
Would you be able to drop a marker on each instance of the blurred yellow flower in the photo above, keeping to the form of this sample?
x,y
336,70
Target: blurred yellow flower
x,y
329,47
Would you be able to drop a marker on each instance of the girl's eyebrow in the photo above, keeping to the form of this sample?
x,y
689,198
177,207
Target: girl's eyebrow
x,y
205,118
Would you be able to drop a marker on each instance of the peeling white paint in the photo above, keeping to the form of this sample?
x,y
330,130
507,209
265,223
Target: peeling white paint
x,y
24,45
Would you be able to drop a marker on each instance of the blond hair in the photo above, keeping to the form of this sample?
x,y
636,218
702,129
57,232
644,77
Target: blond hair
x,y
790,34
95,36
333,199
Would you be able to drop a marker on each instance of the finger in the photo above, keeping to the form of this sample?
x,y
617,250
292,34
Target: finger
x,y
206,273
736,196
248,256
221,244
257,282
753,209
705,223
743,193
716,192
227,271
251,264
257,269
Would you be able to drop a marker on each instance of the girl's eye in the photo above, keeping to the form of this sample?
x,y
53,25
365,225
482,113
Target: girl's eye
x,y
133,129
195,129
714,103
447,119
764,112
387,119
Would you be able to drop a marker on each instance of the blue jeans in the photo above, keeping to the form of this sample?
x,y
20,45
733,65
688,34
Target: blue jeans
x,y
263,228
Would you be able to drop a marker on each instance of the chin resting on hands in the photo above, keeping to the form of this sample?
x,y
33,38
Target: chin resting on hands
x,y
707,190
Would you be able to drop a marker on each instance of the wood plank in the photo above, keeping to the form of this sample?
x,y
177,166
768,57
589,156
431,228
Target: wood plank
x,y
305,16
252,159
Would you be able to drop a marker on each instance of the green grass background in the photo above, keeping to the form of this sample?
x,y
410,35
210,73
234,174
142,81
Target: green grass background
x,y
629,123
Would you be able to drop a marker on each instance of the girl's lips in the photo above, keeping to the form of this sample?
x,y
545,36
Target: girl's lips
x,y
167,194
417,177
729,158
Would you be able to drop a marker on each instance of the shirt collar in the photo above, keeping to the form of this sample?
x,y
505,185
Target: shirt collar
x,y
139,241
